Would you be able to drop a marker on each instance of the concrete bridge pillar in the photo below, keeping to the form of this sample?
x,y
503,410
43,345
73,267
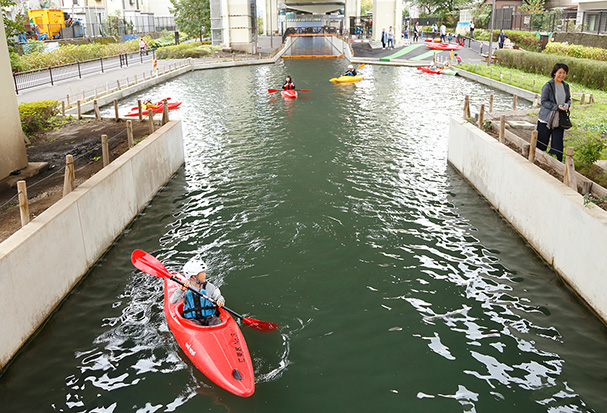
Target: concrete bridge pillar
x,y
388,13
12,144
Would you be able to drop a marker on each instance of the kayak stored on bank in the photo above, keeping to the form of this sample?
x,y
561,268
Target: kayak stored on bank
x,y
158,108
219,352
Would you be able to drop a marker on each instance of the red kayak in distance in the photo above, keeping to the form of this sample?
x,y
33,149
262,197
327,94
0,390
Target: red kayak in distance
x,y
428,70
219,352
159,107
289,94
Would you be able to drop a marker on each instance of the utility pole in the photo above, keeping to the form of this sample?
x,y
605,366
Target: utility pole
x,y
491,34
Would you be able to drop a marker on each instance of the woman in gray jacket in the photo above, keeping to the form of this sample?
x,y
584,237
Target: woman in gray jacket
x,y
555,98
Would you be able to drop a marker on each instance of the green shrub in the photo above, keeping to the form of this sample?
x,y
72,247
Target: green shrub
x,y
185,50
525,40
36,116
576,50
590,73
590,151
71,53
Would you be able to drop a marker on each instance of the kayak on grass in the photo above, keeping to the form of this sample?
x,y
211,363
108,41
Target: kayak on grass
x,y
219,352
347,79
289,94
158,108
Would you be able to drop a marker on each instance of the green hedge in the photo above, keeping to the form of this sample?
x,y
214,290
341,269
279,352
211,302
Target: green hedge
x,y
576,50
525,40
37,115
185,50
71,53
590,73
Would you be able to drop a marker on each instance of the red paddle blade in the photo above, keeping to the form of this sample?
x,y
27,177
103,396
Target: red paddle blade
x,y
305,90
149,264
259,325
272,90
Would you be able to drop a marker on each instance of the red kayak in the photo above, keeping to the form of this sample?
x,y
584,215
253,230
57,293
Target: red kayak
x,y
289,94
219,352
157,109
443,46
428,70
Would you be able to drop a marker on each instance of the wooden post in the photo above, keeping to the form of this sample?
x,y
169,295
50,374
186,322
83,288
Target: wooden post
x,y
533,144
129,133
514,98
79,111
118,83
83,97
144,76
591,99
24,208
583,99
135,81
116,114
502,129
569,178
521,82
67,99
69,177
165,112
63,108
491,103
480,116
533,86
96,108
536,101
139,109
105,151
151,120
501,77
127,82
466,107
96,94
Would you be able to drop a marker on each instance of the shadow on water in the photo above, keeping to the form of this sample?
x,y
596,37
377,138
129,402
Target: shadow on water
x,y
336,216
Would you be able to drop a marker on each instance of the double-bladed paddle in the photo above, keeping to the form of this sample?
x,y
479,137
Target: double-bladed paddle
x,y
360,66
297,90
151,265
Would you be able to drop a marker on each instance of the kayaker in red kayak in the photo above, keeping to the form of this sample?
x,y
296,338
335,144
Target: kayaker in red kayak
x,y
288,85
196,308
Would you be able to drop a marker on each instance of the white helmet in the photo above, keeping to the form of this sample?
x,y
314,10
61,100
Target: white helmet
x,y
350,67
194,267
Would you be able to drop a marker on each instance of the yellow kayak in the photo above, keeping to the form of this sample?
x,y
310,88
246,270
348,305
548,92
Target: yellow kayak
x,y
345,79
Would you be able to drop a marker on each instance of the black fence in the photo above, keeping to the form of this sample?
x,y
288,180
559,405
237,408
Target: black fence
x,y
53,74
554,21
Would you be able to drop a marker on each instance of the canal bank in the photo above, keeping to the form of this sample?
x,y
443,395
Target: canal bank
x,y
41,262
552,217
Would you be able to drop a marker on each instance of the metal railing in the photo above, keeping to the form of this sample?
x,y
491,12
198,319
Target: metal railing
x,y
53,74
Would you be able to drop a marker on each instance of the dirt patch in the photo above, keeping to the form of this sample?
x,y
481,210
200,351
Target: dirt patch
x,y
82,140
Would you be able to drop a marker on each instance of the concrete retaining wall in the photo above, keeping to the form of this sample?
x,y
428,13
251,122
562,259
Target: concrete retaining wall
x,y
41,262
548,214
495,84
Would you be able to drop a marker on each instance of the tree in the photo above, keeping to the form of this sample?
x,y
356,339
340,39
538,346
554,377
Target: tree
x,y
532,7
12,27
192,16
441,7
365,6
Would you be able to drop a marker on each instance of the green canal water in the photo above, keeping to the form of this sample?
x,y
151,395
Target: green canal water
x,y
396,286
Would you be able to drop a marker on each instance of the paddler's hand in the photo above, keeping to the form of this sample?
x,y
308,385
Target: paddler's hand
x,y
185,286
219,303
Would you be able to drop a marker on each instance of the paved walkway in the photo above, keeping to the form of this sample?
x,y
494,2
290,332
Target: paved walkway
x,y
414,54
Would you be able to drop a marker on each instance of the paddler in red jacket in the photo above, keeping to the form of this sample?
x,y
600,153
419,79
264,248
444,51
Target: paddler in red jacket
x,y
196,308
288,85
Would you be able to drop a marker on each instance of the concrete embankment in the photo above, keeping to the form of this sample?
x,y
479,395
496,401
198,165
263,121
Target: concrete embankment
x,y
504,87
41,262
548,214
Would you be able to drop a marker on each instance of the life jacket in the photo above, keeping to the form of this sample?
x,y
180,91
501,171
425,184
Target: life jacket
x,y
196,306
288,86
